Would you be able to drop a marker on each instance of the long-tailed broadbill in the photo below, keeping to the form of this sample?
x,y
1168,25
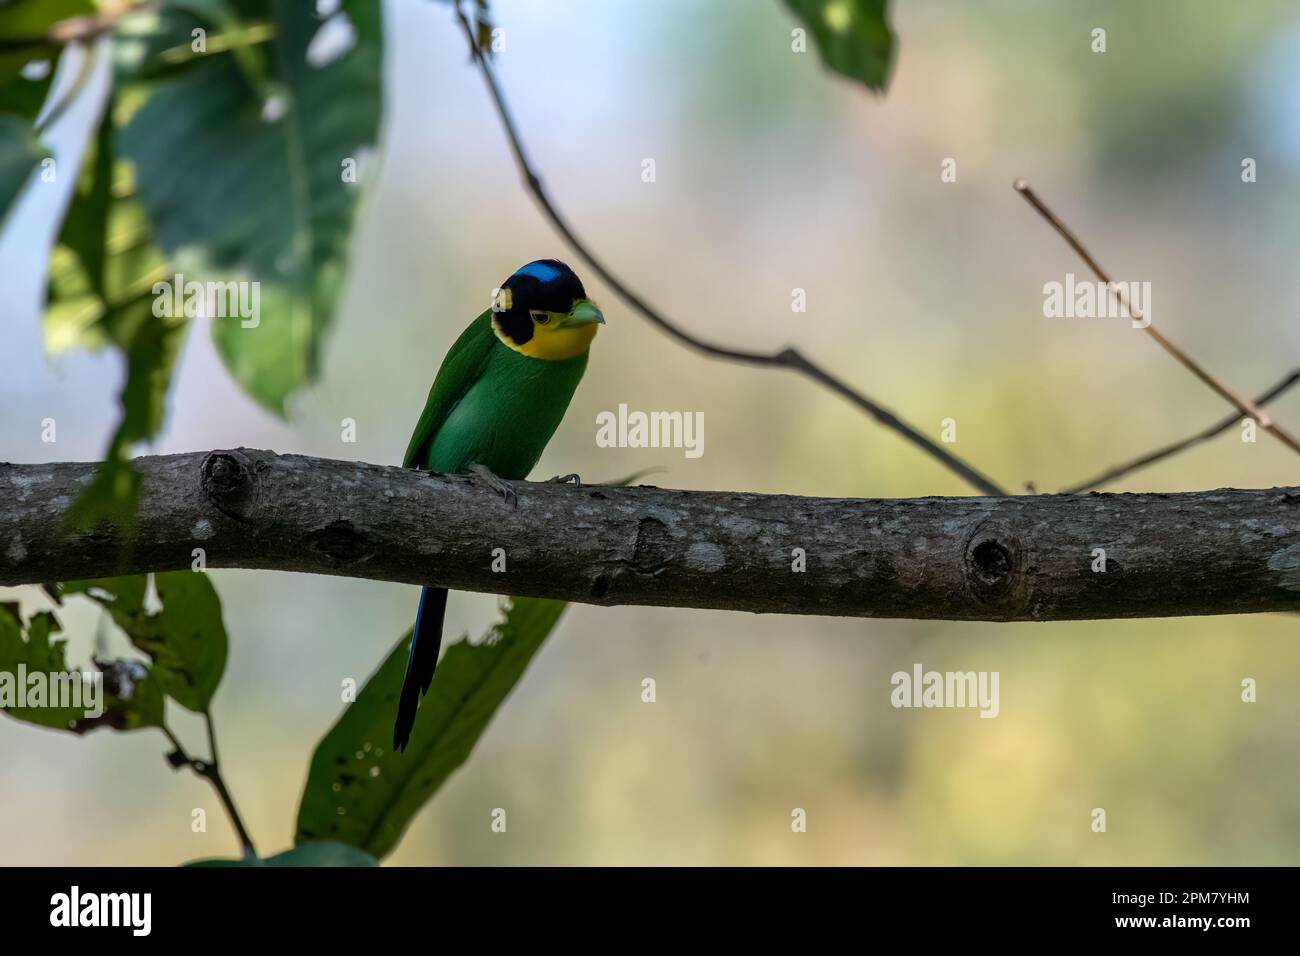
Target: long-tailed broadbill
x,y
498,397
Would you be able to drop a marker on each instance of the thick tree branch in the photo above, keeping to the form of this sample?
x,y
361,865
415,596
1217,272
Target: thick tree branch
x,y
993,559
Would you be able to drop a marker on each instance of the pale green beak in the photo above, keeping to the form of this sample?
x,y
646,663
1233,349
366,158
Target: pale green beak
x,y
584,312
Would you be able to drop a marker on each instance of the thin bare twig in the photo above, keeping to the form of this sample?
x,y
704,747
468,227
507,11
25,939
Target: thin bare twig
x,y
1242,404
788,358
210,770
1119,471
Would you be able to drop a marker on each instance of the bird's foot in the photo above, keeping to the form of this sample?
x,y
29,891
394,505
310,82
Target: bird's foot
x,y
565,479
499,485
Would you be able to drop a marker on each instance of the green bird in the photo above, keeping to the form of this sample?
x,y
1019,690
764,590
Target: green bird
x,y
496,401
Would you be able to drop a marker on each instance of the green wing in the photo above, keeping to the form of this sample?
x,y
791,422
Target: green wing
x,y
462,367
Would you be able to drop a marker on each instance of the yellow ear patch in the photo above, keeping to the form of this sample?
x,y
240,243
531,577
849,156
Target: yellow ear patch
x,y
552,342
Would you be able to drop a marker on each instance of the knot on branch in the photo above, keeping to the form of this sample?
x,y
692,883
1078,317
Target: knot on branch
x,y
992,563
995,563
343,543
228,480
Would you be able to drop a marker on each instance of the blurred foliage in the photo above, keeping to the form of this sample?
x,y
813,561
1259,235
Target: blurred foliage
x,y
163,194
853,36
184,639
162,191
131,698
101,290
29,646
279,209
359,796
359,790
21,96
319,853
33,18
20,153
1145,131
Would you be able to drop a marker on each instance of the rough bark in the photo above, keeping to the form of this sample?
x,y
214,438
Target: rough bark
x,y
991,559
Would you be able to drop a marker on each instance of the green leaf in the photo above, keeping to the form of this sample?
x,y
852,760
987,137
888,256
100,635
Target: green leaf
x,y
123,598
362,792
20,154
232,34
191,644
853,36
33,18
23,98
242,186
102,276
319,853
186,639
129,697
31,659
133,697
151,345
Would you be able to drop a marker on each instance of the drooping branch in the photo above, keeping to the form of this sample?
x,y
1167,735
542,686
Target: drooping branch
x,y
995,559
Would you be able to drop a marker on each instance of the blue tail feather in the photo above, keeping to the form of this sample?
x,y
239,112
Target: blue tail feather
x,y
426,641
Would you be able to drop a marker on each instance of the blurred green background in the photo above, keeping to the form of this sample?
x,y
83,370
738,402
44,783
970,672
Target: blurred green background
x,y
771,175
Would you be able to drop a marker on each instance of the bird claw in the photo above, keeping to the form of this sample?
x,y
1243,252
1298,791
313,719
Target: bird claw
x,y
499,485
565,479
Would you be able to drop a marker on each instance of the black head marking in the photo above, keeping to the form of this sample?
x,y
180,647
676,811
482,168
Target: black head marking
x,y
546,285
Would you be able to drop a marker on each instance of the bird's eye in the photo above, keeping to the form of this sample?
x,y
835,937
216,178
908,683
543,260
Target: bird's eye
x,y
541,318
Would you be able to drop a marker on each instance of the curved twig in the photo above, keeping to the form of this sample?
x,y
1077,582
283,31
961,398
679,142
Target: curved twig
x,y
210,770
1119,471
1244,405
789,358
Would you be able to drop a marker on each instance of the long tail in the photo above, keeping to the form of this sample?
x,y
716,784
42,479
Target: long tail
x,y
426,639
